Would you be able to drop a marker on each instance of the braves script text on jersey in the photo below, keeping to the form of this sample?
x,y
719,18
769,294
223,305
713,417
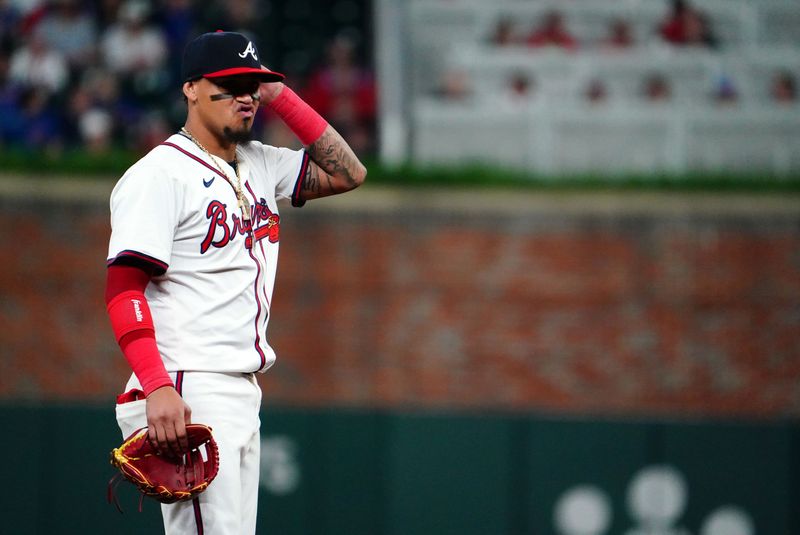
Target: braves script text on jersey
x,y
211,299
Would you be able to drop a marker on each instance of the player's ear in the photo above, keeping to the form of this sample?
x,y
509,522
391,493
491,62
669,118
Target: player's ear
x,y
190,90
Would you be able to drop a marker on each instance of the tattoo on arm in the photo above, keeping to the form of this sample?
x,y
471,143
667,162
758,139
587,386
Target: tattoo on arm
x,y
335,157
311,180
314,184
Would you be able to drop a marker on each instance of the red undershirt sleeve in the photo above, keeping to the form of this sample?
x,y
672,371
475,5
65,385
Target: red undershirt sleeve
x,y
133,327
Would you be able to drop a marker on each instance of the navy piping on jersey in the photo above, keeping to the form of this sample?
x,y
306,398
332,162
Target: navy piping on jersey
x,y
200,161
198,517
179,382
257,343
249,251
195,158
297,201
160,267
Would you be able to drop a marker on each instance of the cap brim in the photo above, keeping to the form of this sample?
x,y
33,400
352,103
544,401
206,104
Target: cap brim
x,y
261,74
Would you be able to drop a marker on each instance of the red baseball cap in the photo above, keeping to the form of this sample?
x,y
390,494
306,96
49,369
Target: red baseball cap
x,y
222,54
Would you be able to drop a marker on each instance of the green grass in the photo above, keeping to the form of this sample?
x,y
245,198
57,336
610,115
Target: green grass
x,y
479,176
67,163
111,165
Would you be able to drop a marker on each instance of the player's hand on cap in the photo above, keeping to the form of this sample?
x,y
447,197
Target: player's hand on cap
x,y
167,416
269,90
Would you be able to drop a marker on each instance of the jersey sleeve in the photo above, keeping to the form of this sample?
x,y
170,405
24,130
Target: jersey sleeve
x,y
144,216
290,170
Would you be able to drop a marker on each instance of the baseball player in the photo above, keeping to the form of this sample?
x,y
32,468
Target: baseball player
x,y
191,267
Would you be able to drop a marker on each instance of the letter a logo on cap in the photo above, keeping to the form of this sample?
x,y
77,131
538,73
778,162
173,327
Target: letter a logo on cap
x,y
249,50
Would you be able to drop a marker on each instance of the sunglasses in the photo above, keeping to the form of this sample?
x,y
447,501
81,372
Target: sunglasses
x,y
234,87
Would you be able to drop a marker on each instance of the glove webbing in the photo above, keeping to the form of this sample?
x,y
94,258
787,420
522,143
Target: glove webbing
x,y
190,466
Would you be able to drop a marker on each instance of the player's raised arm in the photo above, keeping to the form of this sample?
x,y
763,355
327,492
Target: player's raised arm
x,y
335,168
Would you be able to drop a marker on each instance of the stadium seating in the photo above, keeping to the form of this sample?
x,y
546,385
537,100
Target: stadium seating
x,y
556,131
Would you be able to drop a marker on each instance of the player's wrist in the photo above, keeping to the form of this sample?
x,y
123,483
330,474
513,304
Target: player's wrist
x,y
270,91
158,387
142,355
302,119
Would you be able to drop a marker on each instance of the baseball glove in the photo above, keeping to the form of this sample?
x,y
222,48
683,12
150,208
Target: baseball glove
x,y
165,478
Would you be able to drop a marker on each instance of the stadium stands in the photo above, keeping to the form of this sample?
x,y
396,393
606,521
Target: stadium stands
x,y
629,97
79,76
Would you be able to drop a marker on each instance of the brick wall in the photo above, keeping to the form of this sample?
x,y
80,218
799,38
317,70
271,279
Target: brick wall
x,y
616,304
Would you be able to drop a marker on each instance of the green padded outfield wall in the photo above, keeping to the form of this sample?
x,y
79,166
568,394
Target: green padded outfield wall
x,y
350,472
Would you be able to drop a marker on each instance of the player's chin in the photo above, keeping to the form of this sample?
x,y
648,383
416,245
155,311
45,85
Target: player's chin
x,y
239,135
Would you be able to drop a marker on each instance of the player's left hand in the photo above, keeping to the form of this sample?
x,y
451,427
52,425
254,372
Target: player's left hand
x,y
269,91
167,416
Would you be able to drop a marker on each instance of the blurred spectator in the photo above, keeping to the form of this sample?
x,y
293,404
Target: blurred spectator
x,y
152,130
503,33
343,91
31,11
103,87
42,126
656,88
619,36
26,7
783,88
67,28
136,50
245,16
552,32
106,12
596,92
179,23
132,44
12,123
520,87
5,82
78,104
725,91
86,74
686,26
96,127
454,85
37,65
672,28
96,115
517,92
699,32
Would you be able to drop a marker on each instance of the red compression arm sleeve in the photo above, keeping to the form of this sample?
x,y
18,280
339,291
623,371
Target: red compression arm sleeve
x,y
121,278
301,118
136,338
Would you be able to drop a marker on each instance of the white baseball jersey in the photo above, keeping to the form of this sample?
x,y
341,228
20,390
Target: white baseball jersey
x,y
210,298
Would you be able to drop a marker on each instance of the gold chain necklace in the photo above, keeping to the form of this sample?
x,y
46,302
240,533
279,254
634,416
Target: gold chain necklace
x,y
244,205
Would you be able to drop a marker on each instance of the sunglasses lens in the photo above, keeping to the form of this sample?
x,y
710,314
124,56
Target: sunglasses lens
x,y
239,87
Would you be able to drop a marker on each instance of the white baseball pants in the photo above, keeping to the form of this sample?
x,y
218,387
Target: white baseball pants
x,y
229,403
